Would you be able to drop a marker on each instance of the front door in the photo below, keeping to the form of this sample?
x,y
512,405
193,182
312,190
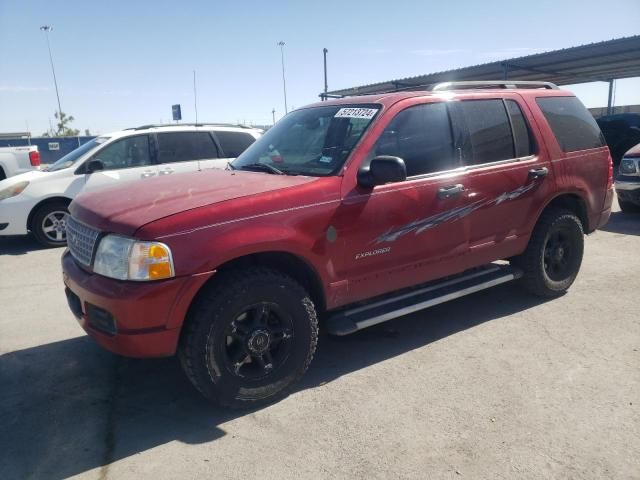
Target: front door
x,y
124,160
405,233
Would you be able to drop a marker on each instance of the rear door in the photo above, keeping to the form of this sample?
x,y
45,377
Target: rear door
x,y
233,143
185,151
507,175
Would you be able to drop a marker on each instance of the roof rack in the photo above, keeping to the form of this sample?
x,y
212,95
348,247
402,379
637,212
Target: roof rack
x,y
492,84
158,125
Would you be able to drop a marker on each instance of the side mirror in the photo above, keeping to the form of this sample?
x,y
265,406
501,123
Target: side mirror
x,y
382,169
95,166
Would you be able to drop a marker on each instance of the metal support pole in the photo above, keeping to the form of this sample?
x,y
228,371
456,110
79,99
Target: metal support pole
x,y
195,96
273,114
610,100
284,82
46,29
326,87
505,71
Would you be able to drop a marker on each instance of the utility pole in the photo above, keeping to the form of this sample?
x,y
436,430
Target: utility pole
x,y
195,98
46,29
326,87
281,44
273,114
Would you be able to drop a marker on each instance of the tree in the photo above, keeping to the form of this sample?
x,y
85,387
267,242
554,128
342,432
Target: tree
x,y
63,128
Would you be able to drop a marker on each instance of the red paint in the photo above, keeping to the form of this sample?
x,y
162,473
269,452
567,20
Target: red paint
x,y
211,217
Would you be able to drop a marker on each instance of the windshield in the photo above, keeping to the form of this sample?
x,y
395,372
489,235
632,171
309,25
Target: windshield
x,y
72,157
313,141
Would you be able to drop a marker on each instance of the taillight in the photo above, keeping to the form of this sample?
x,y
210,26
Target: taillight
x,y
34,158
610,179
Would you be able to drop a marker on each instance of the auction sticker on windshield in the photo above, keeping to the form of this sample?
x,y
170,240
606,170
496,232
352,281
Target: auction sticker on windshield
x,y
367,113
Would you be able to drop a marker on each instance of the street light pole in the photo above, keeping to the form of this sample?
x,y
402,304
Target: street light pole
x,y
46,29
273,114
284,82
326,87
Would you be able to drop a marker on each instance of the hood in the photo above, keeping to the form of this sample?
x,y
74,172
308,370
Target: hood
x,y
24,177
633,152
125,208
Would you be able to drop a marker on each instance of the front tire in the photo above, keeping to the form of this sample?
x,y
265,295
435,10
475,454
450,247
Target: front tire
x,y
553,256
249,338
48,224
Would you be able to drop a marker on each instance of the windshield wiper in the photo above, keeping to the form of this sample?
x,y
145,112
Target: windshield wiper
x,y
262,166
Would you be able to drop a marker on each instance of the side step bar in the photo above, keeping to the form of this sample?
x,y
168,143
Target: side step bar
x,y
351,320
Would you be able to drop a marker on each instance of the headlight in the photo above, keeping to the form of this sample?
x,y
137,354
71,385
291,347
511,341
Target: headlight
x,y
127,259
13,190
627,166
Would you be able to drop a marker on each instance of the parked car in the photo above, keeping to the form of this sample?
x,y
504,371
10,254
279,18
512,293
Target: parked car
x,y
348,213
628,182
38,201
621,131
17,160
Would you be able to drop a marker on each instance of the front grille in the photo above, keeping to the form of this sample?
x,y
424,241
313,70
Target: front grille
x,y
81,240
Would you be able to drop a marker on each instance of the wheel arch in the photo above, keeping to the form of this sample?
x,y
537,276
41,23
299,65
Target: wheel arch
x,y
293,265
58,198
573,202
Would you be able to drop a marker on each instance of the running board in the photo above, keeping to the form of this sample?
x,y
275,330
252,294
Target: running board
x,y
363,316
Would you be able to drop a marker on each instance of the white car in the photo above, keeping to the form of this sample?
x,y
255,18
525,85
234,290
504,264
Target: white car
x,y
37,201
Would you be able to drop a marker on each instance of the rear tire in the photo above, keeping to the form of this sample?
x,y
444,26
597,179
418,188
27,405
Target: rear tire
x,y
553,257
628,207
48,224
249,338
2,174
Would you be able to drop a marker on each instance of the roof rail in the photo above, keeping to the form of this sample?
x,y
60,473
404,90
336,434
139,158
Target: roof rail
x,y
492,84
200,124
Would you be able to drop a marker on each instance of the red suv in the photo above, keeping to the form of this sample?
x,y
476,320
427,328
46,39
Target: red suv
x,y
346,213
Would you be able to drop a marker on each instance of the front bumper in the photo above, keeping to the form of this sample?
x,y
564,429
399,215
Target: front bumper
x,y
13,215
628,191
133,319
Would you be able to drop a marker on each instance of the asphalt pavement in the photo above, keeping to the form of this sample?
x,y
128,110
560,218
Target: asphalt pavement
x,y
496,385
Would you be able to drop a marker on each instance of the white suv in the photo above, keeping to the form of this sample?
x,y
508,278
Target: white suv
x,y
37,201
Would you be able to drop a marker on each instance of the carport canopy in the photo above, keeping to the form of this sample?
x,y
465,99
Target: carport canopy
x,y
596,62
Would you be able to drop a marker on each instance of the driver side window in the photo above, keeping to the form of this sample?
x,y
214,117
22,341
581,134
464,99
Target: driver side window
x,y
126,153
421,136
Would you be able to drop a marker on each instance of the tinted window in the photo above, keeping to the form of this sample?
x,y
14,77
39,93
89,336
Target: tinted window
x,y
185,146
234,143
421,136
126,153
489,130
572,124
521,132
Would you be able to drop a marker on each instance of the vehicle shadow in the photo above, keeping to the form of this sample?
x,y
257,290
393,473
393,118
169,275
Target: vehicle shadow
x,y
69,407
624,223
19,245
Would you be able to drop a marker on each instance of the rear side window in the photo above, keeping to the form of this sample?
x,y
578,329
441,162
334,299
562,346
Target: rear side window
x,y
422,137
234,143
521,133
489,130
571,123
185,146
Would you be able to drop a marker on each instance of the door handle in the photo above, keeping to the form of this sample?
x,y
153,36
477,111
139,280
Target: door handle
x,y
147,174
537,173
450,191
166,171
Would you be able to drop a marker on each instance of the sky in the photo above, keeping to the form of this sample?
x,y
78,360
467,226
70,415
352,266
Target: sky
x,y
122,64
